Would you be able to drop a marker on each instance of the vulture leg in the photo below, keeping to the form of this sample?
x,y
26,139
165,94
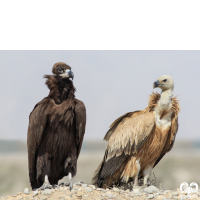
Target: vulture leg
x,y
69,182
146,174
46,184
137,169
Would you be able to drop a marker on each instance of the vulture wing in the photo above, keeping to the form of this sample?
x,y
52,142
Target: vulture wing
x,y
127,137
37,123
80,113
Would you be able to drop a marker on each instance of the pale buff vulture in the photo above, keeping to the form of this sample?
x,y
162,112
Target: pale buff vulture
x,y
138,140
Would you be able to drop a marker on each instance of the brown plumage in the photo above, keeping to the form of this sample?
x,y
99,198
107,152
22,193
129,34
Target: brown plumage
x,y
56,130
138,140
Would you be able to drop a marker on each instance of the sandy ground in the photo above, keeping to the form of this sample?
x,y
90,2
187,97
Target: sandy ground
x,y
89,192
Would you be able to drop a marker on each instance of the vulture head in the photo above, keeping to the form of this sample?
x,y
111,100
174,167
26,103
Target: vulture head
x,y
63,70
165,82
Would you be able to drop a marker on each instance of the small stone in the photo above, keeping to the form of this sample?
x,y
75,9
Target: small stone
x,y
35,193
136,191
84,185
150,196
115,189
132,195
164,199
169,197
166,191
79,183
79,189
148,190
99,189
66,188
109,195
92,186
47,192
73,192
20,197
44,198
88,189
174,197
26,191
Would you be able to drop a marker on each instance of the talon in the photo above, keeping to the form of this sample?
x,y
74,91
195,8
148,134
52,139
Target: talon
x,y
46,184
71,185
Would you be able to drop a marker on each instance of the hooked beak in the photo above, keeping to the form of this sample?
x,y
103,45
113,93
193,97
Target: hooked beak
x,y
156,84
71,75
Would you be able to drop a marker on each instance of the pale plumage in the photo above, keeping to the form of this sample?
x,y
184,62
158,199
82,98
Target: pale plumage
x,y
138,140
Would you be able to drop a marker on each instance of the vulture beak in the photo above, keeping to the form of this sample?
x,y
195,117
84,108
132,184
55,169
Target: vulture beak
x,y
70,75
156,84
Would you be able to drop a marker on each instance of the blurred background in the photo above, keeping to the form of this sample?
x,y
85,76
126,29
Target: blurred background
x,y
110,83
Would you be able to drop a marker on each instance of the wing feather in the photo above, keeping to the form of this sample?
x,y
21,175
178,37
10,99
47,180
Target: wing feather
x,y
130,135
37,123
80,112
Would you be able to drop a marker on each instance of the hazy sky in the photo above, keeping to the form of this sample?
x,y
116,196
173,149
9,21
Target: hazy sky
x,y
110,83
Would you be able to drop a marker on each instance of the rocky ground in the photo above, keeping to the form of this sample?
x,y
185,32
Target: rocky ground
x,y
84,191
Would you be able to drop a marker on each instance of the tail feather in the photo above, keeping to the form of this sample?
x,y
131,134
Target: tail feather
x,y
95,178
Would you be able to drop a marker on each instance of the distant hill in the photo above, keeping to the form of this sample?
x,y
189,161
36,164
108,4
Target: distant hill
x,y
17,146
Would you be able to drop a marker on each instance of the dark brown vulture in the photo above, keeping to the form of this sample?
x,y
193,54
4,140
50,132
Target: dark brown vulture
x,y
138,140
55,132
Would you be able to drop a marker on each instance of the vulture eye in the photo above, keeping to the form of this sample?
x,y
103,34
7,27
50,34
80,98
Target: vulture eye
x,y
60,70
164,80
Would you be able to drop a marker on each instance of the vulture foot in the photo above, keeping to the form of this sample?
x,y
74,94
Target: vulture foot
x,y
46,184
68,183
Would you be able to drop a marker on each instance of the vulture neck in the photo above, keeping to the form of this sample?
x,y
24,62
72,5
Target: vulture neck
x,y
61,89
166,99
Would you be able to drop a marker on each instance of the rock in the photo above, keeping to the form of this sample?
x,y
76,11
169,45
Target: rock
x,y
79,189
169,197
182,198
99,189
92,186
79,183
154,189
109,195
84,185
175,194
20,197
150,196
88,189
26,191
35,193
148,190
166,191
174,197
47,192
115,189
44,198
136,191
